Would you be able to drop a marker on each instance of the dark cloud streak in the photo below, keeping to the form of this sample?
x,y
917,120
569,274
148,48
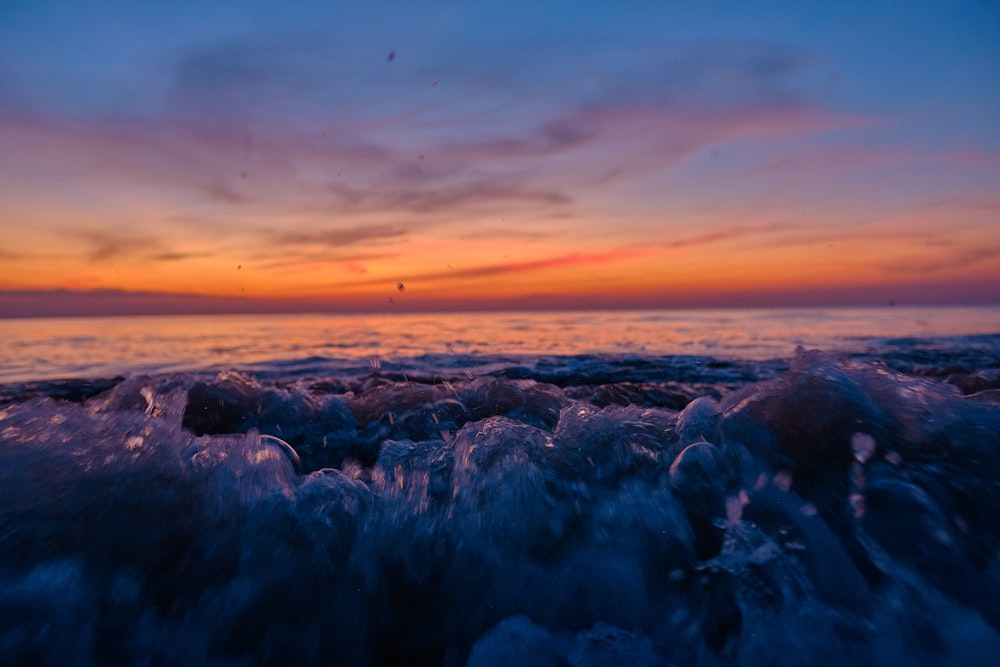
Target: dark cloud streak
x,y
960,257
178,256
491,270
728,234
339,238
106,245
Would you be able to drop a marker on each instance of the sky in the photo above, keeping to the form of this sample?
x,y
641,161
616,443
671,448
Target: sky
x,y
343,156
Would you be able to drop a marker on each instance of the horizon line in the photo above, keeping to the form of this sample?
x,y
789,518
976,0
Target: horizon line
x,y
61,302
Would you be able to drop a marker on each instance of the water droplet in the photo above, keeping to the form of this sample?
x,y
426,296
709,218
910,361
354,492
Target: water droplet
x,y
863,446
857,502
783,480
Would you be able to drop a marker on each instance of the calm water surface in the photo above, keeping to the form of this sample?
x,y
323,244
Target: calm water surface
x,y
100,347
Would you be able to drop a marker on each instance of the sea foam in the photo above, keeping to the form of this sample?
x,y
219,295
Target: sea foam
x,y
557,511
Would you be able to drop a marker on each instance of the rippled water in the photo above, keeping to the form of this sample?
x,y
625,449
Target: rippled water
x,y
79,347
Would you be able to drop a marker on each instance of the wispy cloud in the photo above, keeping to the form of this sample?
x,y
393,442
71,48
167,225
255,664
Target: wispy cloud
x,y
962,204
293,261
339,238
824,160
177,256
445,198
728,234
961,257
508,268
220,136
103,245
299,250
505,233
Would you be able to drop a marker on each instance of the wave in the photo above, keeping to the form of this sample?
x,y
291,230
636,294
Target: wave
x,y
577,510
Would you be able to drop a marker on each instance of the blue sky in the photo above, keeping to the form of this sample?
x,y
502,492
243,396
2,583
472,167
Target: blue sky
x,y
580,150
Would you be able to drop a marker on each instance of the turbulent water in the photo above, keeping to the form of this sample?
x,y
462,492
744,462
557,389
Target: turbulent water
x,y
455,509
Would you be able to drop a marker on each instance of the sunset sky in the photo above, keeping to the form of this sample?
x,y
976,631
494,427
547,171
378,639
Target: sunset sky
x,y
343,156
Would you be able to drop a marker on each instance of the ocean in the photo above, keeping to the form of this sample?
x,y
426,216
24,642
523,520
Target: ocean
x,y
36,349
703,487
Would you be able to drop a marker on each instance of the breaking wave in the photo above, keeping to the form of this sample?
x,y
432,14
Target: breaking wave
x,y
554,511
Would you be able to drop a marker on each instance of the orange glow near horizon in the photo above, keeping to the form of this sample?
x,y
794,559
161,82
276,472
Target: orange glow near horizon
x,y
230,168
438,268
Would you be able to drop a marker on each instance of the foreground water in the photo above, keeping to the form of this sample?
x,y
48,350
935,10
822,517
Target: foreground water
x,y
520,500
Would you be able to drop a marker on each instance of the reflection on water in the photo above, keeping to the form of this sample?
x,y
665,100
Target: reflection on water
x,y
86,347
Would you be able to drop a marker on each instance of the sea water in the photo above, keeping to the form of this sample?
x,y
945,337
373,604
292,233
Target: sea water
x,y
35,349
785,487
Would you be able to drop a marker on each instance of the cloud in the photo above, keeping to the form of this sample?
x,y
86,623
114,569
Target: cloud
x,y
505,233
963,204
295,261
570,259
241,97
301,250
250,135
716,74
268,75
340,237
960,258
490,270
728,234
219,191
557,135
354,267
825,160
444,198
177,256
104,245
64,302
